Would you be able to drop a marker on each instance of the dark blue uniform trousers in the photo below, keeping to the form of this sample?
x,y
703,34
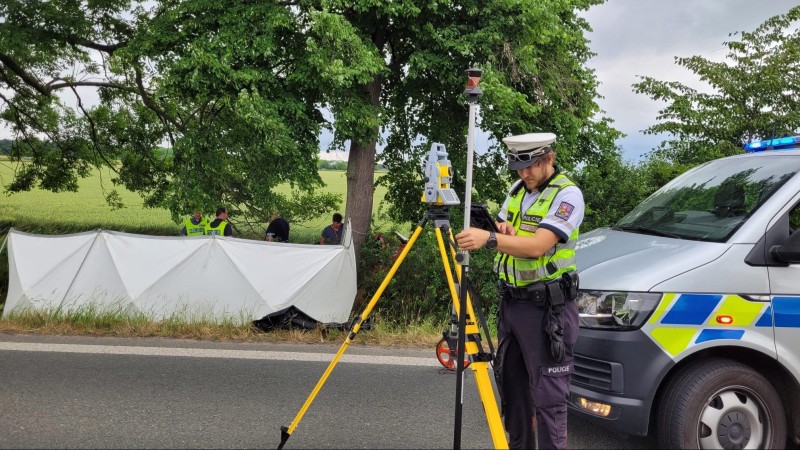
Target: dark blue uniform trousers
x,y
534,389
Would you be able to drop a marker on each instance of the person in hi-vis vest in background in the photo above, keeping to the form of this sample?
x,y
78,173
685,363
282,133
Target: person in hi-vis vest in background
x,y
195,225
538,317
220,225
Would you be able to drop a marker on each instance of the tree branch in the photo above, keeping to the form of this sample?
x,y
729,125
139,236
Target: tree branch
x,y
28,78
47,89
74,84
152,105
108,48
93,130
76,40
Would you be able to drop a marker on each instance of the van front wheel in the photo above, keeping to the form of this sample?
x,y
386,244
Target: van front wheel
x,y
719,403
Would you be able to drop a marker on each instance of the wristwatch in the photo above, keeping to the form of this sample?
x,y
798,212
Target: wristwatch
x,y
492,242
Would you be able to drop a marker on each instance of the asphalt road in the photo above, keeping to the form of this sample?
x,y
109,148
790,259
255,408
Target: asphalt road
x,y
71,392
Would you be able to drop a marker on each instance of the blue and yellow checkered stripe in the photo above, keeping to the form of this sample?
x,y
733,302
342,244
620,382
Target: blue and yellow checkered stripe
x,y
682,320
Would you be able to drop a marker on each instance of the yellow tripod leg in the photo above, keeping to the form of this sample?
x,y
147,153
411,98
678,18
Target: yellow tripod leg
x,y
286,432
479,368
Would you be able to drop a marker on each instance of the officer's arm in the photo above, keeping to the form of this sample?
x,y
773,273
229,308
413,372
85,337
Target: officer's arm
x,y
527,246
517,246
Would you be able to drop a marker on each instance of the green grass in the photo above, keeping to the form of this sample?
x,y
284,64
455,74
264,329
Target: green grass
x,y
89,322
88,209
85,207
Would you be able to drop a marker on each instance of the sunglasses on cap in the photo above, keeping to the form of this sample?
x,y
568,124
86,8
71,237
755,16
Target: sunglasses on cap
x,y
524,157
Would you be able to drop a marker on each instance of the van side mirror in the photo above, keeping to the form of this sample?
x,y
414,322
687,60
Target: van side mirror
x,y
789,251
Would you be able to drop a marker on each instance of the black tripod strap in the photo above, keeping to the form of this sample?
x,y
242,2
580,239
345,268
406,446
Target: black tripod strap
x,y
476,305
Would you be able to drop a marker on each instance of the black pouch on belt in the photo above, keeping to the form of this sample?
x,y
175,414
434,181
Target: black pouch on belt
x,y
555,334
537,293
552,326
555,295
570,283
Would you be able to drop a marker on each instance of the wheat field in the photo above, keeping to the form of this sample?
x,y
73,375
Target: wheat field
x,y
87,207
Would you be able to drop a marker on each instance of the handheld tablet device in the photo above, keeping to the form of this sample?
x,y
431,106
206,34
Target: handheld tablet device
x,y
479,217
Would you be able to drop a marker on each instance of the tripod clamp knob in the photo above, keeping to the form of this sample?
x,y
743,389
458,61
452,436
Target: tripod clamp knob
x,y
462,258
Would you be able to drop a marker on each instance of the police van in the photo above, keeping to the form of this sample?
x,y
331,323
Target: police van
x,y
690,308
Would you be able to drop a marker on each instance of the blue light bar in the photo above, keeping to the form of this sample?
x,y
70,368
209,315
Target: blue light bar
x,y
772,144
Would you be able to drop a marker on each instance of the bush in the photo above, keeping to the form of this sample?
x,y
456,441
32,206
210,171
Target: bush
x,y
419,292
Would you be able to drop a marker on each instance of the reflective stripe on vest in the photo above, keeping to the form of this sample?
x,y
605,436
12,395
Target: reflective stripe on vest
x,y
219,230
195,229
558,260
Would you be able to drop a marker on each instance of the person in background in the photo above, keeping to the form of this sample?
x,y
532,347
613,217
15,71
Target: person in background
x,y
195,225
332,234
278,229
220,225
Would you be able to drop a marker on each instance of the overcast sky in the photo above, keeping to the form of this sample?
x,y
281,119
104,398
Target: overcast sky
x,y
641,38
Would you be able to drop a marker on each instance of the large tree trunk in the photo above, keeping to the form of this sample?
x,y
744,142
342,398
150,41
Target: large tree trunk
x,y
361,180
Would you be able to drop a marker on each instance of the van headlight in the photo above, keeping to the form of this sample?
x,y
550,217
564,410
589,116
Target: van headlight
x,y
614,310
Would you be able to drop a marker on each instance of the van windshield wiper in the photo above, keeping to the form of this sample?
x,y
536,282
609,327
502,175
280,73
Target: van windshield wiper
x,y
646,230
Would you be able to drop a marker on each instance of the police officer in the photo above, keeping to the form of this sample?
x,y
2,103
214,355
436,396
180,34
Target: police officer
x,y
538,317
195,225
220,225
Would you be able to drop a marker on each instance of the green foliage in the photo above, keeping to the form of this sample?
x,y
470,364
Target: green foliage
x,y
611,188
235,91
419,290
5,146
753,94
533,57
231,88
331,165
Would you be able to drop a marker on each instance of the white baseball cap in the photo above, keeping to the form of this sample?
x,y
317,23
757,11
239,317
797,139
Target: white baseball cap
x,y
525,149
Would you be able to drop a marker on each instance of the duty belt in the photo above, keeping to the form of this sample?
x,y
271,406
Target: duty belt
x,y
535,293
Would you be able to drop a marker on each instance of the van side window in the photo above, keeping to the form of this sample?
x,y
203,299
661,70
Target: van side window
x,y
794,219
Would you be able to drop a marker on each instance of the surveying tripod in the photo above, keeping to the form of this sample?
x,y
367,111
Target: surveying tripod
x,y
439,197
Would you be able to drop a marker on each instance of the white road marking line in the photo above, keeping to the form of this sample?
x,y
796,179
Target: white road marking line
x,y
217,353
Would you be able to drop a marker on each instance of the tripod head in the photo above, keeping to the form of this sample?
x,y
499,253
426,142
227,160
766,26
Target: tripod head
x,y
437,173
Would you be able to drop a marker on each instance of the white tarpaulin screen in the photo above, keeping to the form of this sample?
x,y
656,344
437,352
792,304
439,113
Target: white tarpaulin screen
x,y
189,277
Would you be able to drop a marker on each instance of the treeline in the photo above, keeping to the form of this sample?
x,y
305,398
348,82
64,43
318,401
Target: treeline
x,y
7,144
340,165
331,165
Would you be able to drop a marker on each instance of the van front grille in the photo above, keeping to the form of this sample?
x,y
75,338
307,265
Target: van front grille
x,y
597,374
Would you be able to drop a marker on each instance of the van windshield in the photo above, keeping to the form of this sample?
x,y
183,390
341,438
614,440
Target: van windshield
x,y
710,202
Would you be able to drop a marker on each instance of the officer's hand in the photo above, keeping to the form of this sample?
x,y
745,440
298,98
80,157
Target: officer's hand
x,y
472,238
506,228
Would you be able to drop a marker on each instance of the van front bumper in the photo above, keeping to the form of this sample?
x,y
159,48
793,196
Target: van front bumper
x,y
620,369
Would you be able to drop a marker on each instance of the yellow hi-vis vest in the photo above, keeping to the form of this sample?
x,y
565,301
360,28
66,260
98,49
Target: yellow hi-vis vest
x,y
195,230
219,230
558,260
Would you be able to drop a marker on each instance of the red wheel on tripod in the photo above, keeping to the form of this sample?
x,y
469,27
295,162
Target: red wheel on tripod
x,y
447,357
